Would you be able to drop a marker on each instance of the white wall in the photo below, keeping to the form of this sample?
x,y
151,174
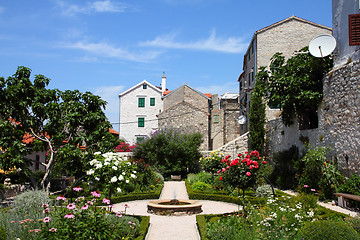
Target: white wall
x,y
130,112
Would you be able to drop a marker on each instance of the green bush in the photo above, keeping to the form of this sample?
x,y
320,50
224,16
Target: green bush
x,y
3,235
351,186
264,191
201,186
30,202
212,163
170,152
355,223
327,230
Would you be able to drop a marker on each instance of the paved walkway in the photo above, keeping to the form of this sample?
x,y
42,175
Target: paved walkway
x,y
174,227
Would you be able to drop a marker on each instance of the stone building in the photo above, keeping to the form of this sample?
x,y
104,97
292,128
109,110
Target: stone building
x,y
139,106
286,36
189,111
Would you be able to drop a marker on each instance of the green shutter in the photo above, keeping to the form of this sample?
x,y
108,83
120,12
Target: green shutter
x,y
216,118
141,122
152,101
141,102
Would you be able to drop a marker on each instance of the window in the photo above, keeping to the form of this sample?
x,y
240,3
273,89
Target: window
x,y
216,118
152,101
141,122
139,139
37,162
144,86
249,77
354,29
141,102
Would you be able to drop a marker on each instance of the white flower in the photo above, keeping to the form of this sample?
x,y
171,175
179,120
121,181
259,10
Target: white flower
x,y
115,168
134,172
311,214
97,153
98,165
90,172
106,163
113,179
93,162
127,181
121,178
119,190
116,163
97,179
133,176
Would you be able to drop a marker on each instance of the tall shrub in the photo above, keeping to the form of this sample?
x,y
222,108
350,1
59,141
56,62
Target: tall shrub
x,y
171,152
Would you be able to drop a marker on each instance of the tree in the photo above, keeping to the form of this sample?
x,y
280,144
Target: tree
x,y
51,118
257,121
170,152
295,85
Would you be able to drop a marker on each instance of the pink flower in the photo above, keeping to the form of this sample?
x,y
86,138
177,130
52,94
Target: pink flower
x,y
84,207
45,205
118,214
69,215
12,222
52,230
219,171
221,178
96,194
90,203
71,206
106,200
46,210
223,170
313,190
61,197
77,189
306,185
248,174
46,219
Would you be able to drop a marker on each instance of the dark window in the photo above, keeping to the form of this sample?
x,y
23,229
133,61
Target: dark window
x,y
141,102
144,86
152,101
37,162
308,119
141,122
354,29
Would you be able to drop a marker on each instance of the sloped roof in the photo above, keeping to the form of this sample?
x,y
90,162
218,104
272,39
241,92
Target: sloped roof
x,y
289,19
206,95
184,103
139,85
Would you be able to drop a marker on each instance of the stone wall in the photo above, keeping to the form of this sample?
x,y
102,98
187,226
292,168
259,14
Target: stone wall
x,y
340,115
186,118
339,121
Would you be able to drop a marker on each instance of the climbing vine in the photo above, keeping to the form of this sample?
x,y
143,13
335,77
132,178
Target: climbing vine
x,y
295,85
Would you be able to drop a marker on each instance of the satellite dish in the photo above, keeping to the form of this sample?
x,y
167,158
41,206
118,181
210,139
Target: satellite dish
x,y
322,45
242,120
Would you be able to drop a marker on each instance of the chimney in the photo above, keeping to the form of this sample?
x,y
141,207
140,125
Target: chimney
x,y
163,83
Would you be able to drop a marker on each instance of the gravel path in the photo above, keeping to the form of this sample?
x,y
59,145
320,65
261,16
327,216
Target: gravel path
x,y
174,227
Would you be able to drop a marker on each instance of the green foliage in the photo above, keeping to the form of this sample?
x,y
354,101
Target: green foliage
x,y
286,166
212,163
264,191
327,230
201,186
50,117
200,177
3,234
170,152
257,121
351,186
319,174
355,223
295,85
31,201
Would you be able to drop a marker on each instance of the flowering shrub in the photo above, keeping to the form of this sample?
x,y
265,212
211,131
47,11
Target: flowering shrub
x,y
241,173
124,147
111,171
212,163
83,220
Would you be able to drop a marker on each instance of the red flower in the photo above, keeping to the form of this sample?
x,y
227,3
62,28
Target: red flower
x,y
248,174
220,178
264,162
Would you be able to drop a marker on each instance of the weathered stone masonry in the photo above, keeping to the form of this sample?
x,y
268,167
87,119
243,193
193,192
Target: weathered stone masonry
x,y
339,120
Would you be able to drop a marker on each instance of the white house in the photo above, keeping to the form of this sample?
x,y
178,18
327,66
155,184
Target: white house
x,y
139,106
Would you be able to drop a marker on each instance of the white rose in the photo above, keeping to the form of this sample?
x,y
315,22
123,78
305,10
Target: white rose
x,y
119,190
90,172
127,181
97,179
99,165
113,179
115,168
133,176
121,177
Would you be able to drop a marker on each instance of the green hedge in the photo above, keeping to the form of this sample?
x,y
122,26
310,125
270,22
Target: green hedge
x,y
144,226
201,225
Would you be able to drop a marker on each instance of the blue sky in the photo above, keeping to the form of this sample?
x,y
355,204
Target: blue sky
x,y
107,46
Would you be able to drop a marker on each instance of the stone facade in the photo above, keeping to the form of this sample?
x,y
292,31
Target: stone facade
x,y
340,115
286,36
187,111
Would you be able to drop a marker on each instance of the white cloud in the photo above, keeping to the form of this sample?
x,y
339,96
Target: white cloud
x,y
110,94
212,43
110,51
90,7
230,87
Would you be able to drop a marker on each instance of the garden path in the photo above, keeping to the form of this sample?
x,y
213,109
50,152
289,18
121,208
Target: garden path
x,y
174,227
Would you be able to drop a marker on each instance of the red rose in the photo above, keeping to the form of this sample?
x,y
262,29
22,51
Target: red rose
x,y
248,174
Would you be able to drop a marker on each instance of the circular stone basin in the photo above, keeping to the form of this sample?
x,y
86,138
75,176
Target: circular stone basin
x,y
174,207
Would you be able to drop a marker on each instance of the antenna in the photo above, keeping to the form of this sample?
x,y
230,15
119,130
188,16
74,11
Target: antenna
x,y
322,45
